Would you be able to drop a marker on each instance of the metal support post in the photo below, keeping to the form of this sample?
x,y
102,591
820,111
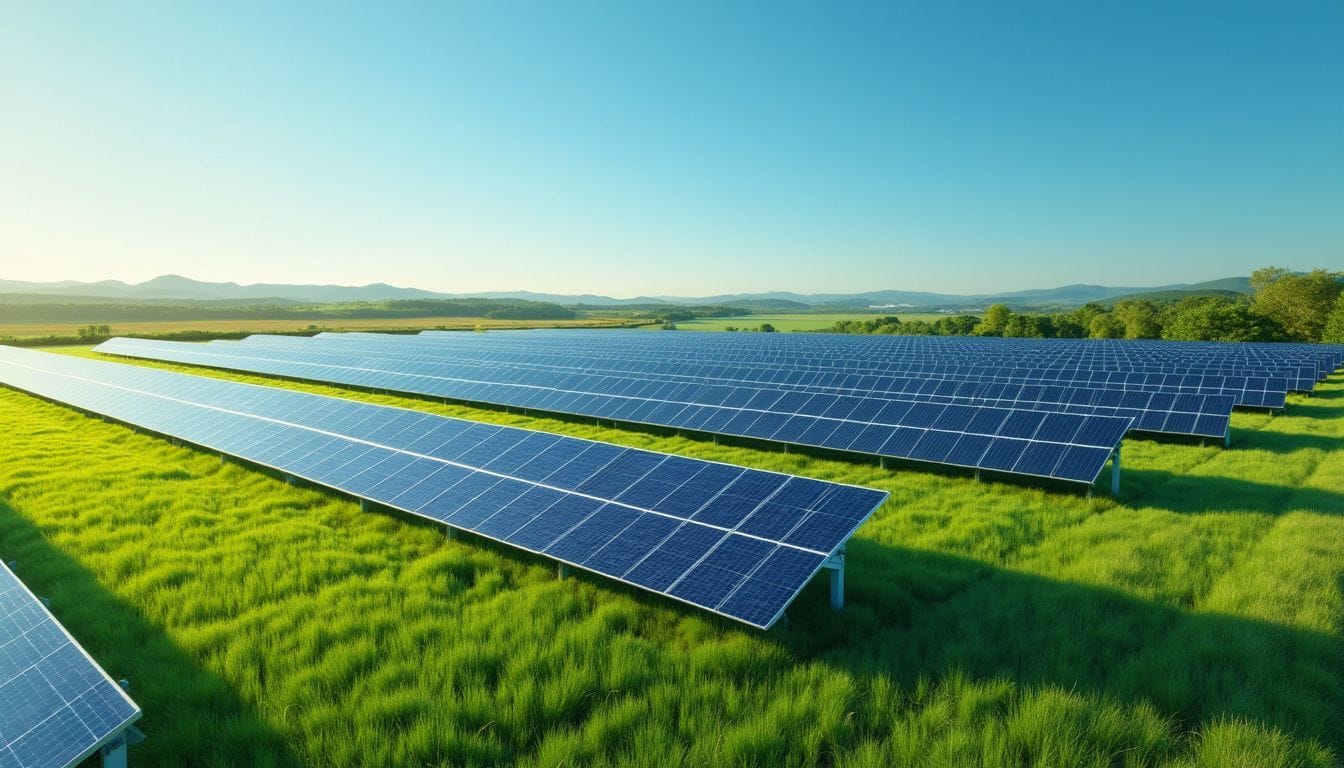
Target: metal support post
x,y
450,533
562,571
1227,437
836,565
882,462
977,474
1115,472
113,753
363,505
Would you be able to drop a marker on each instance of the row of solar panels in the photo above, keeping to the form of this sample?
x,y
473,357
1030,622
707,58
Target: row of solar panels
x,y
1258,387
734,541
1099,353
839,351
1045,387
57,706
1066,446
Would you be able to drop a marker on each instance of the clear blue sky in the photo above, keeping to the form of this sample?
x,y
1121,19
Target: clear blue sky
x,y
688,147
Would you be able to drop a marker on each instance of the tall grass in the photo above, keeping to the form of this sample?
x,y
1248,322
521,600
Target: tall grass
x,y
1196,620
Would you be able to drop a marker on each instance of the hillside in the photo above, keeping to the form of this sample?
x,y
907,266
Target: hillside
x,y
176,287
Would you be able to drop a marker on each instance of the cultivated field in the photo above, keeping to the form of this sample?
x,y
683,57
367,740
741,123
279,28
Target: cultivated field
x,y
31,330
1196,620
790,322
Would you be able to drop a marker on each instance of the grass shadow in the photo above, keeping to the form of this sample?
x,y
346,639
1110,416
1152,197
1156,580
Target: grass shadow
x,y
916,616
1287,442
1179,492
164,678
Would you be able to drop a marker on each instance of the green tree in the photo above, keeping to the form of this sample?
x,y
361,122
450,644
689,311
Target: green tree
x,y
1138,318
1078,323
1334,324
767,328
957,325
1299,303
1016,326
995,320
1105,326
1216,318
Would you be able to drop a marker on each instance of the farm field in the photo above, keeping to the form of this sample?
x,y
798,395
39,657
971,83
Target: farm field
x,y
1197,619
791,322
30,330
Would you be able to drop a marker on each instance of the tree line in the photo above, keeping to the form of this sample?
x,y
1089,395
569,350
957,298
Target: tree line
x,y
1282,306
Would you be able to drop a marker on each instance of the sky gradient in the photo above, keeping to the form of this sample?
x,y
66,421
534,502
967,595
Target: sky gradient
x,y
692,148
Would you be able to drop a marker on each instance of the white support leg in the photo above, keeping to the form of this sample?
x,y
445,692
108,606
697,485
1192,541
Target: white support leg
x,y
114,752
450,533
562,571
836,565
1227,437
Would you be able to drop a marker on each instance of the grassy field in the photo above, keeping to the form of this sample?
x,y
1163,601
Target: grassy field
x,y
789,322
31,330
1196,620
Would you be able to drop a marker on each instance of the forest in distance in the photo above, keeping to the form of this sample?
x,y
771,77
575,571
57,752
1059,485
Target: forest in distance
x,y
1282,306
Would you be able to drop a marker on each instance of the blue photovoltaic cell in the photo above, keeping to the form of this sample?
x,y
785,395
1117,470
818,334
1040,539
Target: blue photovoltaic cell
x,y
56,705
1037,390
665,523
849,422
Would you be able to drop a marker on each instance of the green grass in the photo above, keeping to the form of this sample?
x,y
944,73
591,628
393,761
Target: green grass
x,y
790,322
1194,621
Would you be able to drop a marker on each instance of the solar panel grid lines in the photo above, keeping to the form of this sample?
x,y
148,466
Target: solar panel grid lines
x,y
1196,412
59,705
841,350
1191,412
624,513
1251,391
894,429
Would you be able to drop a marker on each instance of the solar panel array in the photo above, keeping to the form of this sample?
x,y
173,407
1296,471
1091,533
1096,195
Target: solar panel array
x,y
1309,362
1020,440
738,542
840,357
57,706
1180,410
1298,365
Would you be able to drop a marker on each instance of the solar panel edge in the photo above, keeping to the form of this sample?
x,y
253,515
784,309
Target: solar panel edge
x,y
136,714
843,544
700,428
481,470
1051,406
881,495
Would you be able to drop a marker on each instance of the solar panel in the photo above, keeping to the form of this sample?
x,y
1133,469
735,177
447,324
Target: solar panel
x,y
1297,365
737,542
1203,411
877,375
57,706
888,428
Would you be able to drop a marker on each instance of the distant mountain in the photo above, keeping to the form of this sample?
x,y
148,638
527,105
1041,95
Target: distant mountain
x,y
178,287
168,287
